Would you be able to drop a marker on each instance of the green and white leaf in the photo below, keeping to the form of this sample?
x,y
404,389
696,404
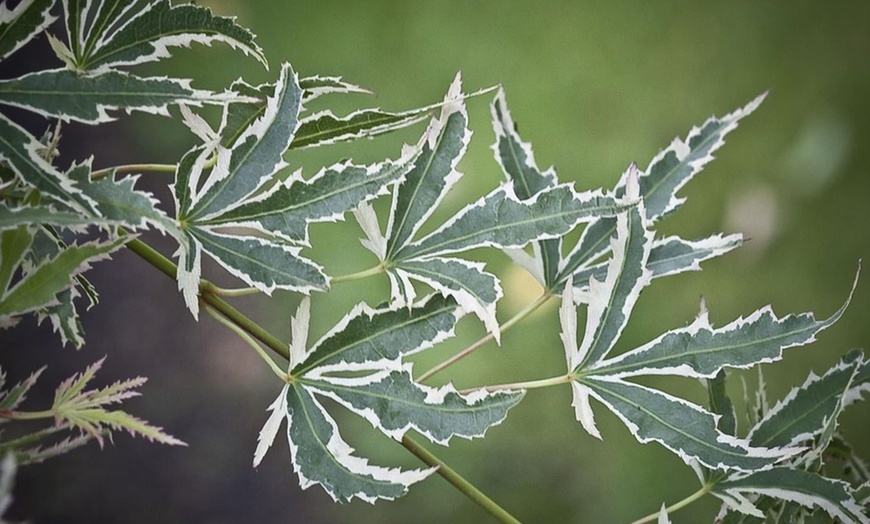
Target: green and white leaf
x,y
682,427
256,155
39,288
475,290
517,161
393,403
288,207
666,174
110,40
321,456
119,203
263,264
669,256
14,244
502,220
690,431
22,151
677,164
23,22
64,94
324,127
371,343
612,300
809,410
805,488
699,350
316,86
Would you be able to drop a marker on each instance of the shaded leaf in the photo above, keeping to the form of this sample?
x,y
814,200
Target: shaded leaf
x,y
20,24
112,40
63,94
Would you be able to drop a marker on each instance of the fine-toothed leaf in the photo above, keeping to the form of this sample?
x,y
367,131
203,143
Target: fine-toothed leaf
x,y
672,168
669,256
21,150
11,398
317,86
372,339
261,263
371,344
39,287
119,203
239,116
666,174
64,94
109,41
27,215
393,403
688,430
518,163
257,153
474,289
288,208
320,456
682,427
502,220
423,189
699,350
612,300
805,488
809,409
19,25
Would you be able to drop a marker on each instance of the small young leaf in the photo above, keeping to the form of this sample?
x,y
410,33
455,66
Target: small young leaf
x,y
39,288
21,150
806,411
19,25
64,94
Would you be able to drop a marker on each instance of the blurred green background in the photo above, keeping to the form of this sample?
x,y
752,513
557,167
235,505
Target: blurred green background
x,y
594,86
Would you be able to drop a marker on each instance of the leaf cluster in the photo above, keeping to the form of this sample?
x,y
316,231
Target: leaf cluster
x,y
235,201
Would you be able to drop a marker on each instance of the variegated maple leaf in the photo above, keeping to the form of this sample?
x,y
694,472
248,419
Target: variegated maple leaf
x,y
500,219
666,174
807,417
698,350
371,344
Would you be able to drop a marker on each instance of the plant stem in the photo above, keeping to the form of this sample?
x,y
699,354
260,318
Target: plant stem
x,y
531,384
676,506
237,292
528,310
451,476
249,326
26,415
157,168
250,340
360,275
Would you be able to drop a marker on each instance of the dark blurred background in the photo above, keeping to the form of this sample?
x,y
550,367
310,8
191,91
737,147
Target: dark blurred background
x,y
594,86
